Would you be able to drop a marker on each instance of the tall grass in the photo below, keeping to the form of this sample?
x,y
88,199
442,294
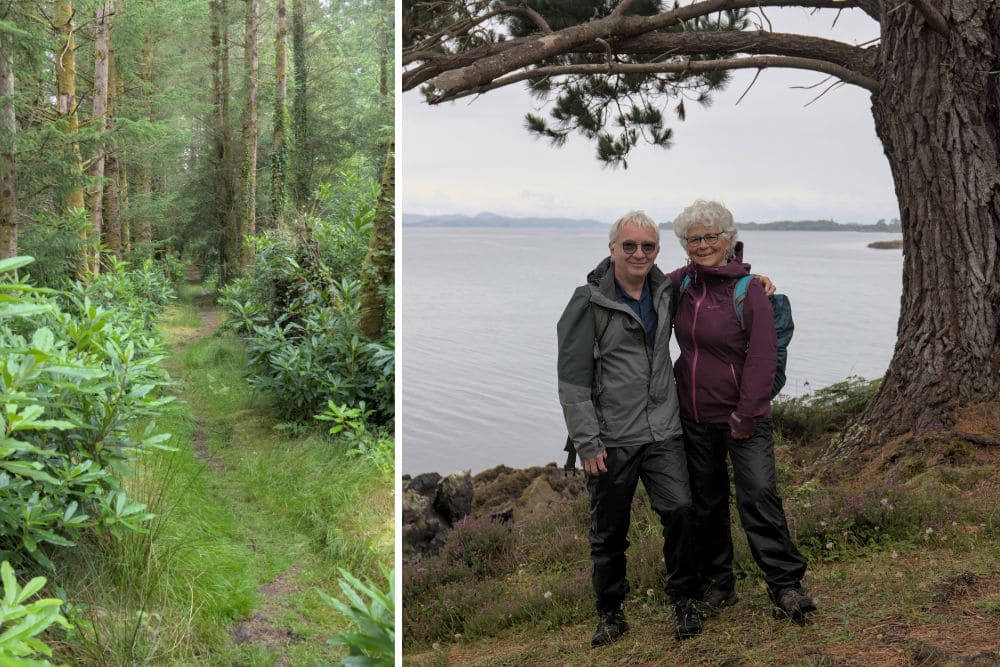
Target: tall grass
x,y
238,504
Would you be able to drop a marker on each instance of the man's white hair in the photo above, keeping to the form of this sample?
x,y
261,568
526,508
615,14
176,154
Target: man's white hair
x,y
635,218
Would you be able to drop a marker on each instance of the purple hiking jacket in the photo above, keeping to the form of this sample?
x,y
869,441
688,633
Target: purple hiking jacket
x,y
724,374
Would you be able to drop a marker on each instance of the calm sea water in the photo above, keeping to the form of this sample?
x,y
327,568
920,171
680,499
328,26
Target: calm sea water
x,y
479,329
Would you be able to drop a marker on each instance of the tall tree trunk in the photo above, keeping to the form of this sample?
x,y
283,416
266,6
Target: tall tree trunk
x,y
301,185
111,230
938,116
377,275
386,30
143,236
8,167
102,28
229,252
66,107
247,204
279,155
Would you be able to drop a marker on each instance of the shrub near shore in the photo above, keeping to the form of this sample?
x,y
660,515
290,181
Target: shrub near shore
x,y
878,551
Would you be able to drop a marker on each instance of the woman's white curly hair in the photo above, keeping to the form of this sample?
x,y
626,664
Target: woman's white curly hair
x,y
710,214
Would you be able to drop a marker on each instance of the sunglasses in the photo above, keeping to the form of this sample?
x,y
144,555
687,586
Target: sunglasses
x,y
631,246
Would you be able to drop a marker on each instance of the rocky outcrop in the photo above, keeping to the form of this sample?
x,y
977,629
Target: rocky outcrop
x,y
433,504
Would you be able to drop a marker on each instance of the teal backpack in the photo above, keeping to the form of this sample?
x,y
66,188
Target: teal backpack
x,y
784,327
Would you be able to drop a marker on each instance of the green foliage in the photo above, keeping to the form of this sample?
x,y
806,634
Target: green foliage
x,y
828,410
55,243
299,311
373,643
616,112
74,379
22,623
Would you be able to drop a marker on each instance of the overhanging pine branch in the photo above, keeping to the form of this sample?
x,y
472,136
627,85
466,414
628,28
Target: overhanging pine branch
x,y
677,67
451,82
754,43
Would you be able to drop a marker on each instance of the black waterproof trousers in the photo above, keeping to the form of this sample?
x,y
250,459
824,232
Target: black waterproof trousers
x,y
757,500
663,471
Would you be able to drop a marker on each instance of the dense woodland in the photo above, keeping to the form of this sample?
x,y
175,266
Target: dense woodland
x,y
177,491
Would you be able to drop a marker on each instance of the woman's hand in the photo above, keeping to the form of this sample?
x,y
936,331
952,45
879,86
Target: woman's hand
x,y
766,283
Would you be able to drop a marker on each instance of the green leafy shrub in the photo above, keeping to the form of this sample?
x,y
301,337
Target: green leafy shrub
x,y
22,623
298,310
373,644
74,379
828,410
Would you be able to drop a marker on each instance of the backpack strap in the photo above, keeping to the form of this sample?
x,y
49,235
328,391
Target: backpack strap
x,y
739,296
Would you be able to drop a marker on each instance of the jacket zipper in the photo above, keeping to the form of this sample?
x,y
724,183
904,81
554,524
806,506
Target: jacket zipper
x,y
694,357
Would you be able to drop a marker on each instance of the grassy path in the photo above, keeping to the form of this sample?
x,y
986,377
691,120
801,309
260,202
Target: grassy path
x,y
253,517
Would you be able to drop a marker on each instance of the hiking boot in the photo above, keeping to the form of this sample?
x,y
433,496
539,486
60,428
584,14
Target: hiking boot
x,y
610,626
792,603
687,621
714,601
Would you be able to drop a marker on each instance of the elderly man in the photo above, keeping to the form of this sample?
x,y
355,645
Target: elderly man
x,y
617,391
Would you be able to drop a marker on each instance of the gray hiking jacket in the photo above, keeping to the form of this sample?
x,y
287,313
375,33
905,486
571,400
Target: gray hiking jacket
x,y
616,392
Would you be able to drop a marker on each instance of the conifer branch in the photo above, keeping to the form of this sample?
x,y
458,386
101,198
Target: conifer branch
x,y
499,60
685,66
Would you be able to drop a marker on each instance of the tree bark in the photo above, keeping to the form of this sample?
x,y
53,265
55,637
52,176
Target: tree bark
x,y
279,155
66,107
377,274
143,236
112,229
301,153
229,252
247,203
102,28
8,166
938,116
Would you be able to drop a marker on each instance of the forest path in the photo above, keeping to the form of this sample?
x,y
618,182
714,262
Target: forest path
x,y
231,436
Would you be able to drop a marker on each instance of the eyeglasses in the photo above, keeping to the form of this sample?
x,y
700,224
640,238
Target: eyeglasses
x,y
710,239
631,246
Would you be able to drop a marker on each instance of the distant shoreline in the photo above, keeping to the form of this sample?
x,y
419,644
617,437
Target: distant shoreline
x,y
490,220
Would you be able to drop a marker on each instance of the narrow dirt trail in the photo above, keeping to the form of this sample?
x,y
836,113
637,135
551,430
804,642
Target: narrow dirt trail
x,y
264,629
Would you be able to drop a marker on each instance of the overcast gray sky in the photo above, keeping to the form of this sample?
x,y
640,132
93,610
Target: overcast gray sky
x,y
769,158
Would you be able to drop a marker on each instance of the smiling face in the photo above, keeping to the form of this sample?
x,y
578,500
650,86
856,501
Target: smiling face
x,y
631,268
704,252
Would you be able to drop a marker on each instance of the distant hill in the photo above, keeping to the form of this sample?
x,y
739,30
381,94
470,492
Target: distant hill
x,y
821,226
494,220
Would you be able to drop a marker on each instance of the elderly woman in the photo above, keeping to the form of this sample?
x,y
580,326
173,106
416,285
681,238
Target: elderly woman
x,y
724,377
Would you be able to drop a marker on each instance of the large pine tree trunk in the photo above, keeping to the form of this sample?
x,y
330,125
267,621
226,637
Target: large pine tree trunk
x,y
938,116
8,167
